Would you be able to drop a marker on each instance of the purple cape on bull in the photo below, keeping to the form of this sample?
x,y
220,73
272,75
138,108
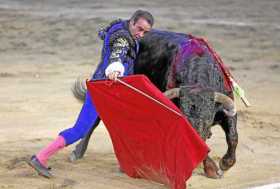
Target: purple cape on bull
x,y
88,118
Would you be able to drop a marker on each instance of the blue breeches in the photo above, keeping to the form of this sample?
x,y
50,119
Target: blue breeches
x,y
86,120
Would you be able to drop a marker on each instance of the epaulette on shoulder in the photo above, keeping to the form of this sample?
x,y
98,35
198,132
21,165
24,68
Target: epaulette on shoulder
x,y
103,30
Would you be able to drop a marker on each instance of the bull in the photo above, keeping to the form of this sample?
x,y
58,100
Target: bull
x,y
189,73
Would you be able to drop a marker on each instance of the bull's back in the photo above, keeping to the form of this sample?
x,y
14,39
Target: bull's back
x,y
157,52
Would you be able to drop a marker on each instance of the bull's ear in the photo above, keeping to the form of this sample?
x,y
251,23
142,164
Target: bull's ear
x,y
172,93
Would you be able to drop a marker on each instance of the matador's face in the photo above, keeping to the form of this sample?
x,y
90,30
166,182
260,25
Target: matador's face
x,y
139,28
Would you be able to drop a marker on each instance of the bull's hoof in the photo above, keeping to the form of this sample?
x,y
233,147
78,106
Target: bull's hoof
x,y
214,174
226,163
211,169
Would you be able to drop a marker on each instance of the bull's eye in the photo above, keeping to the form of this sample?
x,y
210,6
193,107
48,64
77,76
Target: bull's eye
x,y
192,109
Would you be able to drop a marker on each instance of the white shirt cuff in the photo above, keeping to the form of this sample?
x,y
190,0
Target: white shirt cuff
x,y
115,67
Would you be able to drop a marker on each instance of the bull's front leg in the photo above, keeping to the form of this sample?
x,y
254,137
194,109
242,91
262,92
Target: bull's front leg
x,y
229,126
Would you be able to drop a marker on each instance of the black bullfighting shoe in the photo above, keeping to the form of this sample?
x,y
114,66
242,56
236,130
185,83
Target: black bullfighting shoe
x,y
41,169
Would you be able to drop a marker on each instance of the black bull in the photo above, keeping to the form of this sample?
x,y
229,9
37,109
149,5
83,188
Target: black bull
x,y
197,88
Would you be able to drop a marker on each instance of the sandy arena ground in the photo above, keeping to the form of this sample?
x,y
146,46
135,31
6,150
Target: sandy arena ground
x,y
46,44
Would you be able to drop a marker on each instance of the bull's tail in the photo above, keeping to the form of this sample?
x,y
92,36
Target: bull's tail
x,y
79,89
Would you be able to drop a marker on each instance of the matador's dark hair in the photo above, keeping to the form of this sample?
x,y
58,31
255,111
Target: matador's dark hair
x,y
142,14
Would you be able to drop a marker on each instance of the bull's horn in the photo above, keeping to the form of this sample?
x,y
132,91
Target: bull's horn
x,y
79,89
172,93
229,107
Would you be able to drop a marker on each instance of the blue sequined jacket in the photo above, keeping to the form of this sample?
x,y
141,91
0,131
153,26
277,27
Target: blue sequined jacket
x,y
118,47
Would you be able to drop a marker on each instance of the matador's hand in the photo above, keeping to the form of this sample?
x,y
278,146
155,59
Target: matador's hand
x,y
114,75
